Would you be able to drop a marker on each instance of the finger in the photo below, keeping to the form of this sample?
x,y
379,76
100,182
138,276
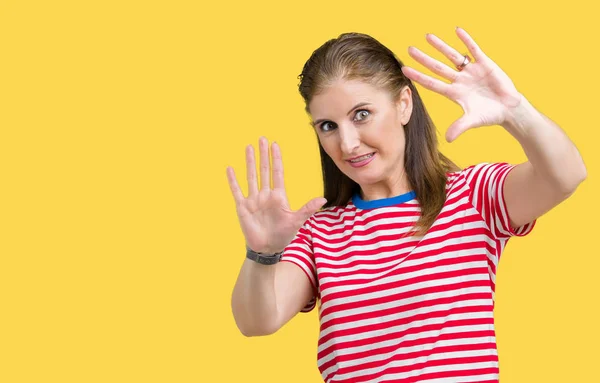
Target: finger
x,y
265,175
427,81
277,167
477,53
238,196
251,171
310,208
432,64
452,54
458,127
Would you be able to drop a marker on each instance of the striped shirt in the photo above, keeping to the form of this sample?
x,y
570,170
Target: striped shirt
x,y
399,308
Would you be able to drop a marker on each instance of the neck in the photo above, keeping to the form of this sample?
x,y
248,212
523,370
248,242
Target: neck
x,y
386,188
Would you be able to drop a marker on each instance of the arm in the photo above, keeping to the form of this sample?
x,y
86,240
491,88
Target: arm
x,y
265,297
489,97
552,173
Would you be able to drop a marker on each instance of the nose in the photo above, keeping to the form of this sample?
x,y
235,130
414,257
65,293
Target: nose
x,y
349,139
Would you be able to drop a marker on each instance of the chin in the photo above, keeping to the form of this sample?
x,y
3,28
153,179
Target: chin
x,y
364,176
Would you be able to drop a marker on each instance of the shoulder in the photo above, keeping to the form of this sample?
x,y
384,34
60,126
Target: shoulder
x,y
466,170
481,169
330,215
478,177
333,212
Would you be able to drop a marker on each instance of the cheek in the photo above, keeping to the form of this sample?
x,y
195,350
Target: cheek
x,y
330,146
388,139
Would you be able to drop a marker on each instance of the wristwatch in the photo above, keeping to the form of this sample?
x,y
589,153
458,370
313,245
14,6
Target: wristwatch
x,y
262,258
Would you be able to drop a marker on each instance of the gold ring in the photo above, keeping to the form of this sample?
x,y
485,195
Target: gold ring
x,y
466,61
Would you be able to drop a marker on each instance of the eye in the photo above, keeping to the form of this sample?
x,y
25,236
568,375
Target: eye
x,y
363,113
327,126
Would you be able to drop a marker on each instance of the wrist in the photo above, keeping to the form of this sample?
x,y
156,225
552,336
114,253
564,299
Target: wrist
x,y
520,118
263,258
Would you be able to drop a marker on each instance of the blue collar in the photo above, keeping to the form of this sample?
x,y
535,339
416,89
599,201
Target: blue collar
x,y
383,202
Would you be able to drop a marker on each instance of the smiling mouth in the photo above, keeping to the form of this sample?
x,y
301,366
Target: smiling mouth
x,y
361,158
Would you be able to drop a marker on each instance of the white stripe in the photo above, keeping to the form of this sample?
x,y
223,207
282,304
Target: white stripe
x,y
336,218
350,227
393,288
375,355
426,370
287,256
352,219
397,316
502,220
463,379
384,261
342,247
360,237
341,258
426,347
398,303
372,220
373,347
456,240
379,279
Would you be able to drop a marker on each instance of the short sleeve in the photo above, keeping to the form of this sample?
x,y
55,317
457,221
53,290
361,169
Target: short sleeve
x,y
486,183
300,252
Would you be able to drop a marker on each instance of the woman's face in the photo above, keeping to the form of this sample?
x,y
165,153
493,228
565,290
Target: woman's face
x,y
355,119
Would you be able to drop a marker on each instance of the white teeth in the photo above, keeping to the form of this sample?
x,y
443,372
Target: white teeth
x,y
362,158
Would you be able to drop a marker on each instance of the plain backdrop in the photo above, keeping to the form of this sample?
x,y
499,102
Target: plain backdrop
x,y
119,241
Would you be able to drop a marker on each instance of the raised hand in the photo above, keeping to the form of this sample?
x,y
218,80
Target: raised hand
x,y
485,93
265,217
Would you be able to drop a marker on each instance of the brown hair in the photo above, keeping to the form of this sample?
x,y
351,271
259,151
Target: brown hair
x,y
360,56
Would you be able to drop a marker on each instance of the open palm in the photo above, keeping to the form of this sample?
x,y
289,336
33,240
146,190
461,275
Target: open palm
x,y
485,93
266,220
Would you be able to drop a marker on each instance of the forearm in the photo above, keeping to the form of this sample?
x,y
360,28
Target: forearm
x,y
253,301
551,153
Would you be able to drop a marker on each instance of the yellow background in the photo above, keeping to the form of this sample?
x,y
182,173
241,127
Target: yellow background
x,y
119,240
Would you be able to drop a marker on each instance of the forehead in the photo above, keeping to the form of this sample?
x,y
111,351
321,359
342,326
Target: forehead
x,y
340,96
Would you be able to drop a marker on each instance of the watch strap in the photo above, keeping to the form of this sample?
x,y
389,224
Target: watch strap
x,y
263,258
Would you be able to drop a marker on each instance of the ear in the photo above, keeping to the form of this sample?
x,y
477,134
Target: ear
x,y
404,105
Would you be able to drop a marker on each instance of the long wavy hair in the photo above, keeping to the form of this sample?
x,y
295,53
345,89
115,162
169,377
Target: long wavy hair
x,y
357,56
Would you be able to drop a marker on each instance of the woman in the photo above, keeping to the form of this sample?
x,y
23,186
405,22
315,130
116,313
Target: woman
x,y
402,251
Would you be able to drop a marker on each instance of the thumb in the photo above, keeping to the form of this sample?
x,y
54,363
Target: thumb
x,y
460,126
310,208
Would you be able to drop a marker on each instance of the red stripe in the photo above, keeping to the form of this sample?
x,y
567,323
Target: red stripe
x,y
425,342
433,363
406,282
407,331
406,356
403,308
474,189
403,321
400,296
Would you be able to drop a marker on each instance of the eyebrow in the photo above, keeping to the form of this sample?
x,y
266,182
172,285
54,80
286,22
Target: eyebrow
x,y
317,122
